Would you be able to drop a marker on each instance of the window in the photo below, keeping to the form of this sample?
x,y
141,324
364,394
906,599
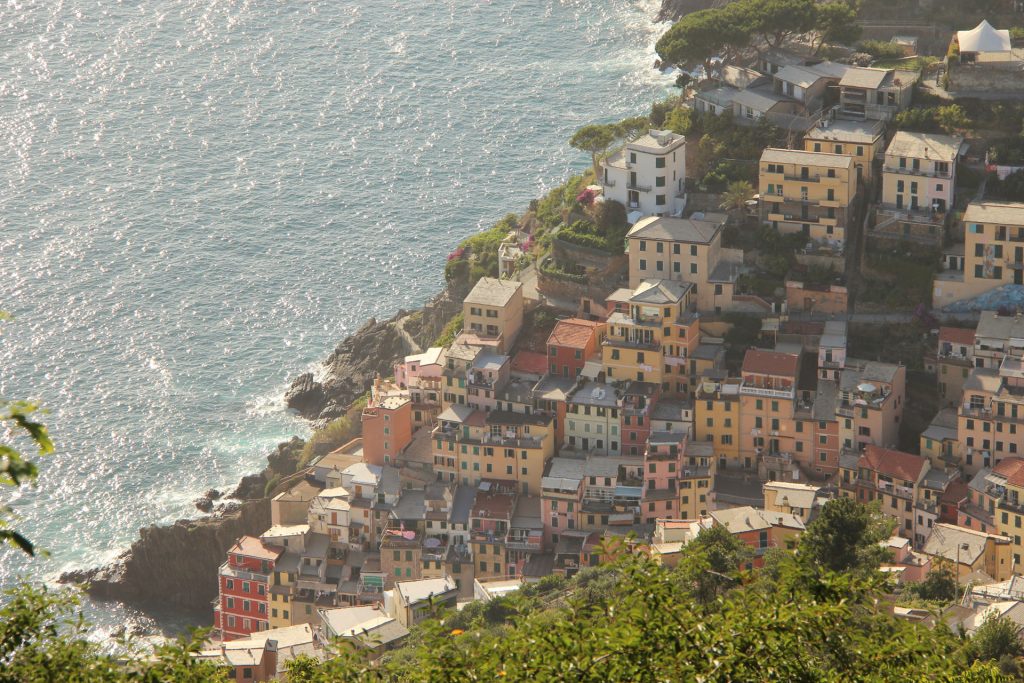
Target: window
x,y
659,200
693,268
643,245
659,181
659,247
659,162
643,263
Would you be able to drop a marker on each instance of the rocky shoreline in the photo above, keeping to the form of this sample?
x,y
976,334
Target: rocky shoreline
x,y
171,570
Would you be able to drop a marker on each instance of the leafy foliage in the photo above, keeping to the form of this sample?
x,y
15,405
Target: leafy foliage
x,y
42,638
17,422
881,49
845,537
945,119
450,331
997,637
1011,188
938,586
700,38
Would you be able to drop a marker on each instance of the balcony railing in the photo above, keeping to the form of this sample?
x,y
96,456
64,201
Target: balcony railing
x,y
235,573
637,187
912,171
769,393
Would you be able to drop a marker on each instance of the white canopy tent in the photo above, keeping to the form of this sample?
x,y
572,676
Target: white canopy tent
x,y
984,43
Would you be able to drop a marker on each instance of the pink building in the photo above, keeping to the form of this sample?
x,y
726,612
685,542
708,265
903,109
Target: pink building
x,y
663,463
561,497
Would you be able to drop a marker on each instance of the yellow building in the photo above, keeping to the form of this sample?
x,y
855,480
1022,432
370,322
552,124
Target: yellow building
x,y
717,419
685,250
470,445
863,140
652,334
1009,516
993,253
809,193
695,478
971,551
493,311
281,586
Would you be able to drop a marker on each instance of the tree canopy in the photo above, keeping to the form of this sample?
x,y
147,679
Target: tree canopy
x,y
701,38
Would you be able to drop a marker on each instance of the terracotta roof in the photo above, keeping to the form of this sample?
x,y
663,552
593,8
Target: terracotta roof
x,y
896,464
493,505
1012,469
573,333
770,363
954,493
957,335
530,362
250,546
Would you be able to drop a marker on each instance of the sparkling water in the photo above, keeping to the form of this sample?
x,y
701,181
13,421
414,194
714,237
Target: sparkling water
x,y
200,198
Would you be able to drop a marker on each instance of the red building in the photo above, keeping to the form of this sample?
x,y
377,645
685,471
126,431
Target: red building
x,y
387,423
571,343
244,588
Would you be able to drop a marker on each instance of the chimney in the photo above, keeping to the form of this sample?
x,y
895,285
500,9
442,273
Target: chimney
x,y
270,659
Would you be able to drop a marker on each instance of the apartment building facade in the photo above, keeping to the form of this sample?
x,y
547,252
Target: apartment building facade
x,y
808,193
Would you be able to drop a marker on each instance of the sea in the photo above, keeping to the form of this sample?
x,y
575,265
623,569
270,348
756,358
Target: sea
x,y
200,198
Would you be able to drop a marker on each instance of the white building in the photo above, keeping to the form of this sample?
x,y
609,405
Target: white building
x,y
648,175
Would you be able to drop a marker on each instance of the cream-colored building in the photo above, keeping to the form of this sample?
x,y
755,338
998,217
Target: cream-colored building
x,y
686,250
648,175
918,186
799,500
863,140
493,311
811,193
993,253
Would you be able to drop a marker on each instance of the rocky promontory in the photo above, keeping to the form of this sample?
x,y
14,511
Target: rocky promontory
x,y
174,568
349,371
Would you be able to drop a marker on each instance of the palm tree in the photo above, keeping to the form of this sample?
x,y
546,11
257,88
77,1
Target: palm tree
x,y
736,196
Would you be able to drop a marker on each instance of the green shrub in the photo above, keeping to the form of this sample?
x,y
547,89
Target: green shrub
x,y
450,330
880,49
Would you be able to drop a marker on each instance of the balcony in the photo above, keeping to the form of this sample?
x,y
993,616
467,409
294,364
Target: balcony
x,y
492,440
968,410
831,364
530,544
626,344
804,179
608,183
768,393
917,172
234,573
637,187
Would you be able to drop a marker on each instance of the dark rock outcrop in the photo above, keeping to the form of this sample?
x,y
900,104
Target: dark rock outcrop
x,y
305,395
372,349
175,567
674,10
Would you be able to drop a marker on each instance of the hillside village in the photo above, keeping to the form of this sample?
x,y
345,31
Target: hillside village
x,y
596,390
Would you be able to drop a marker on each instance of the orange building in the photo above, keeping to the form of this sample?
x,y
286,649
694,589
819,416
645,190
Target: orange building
x,y
387,424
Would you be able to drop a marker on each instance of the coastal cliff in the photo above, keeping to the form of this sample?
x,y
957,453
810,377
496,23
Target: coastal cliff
x,y
674,10
174,568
